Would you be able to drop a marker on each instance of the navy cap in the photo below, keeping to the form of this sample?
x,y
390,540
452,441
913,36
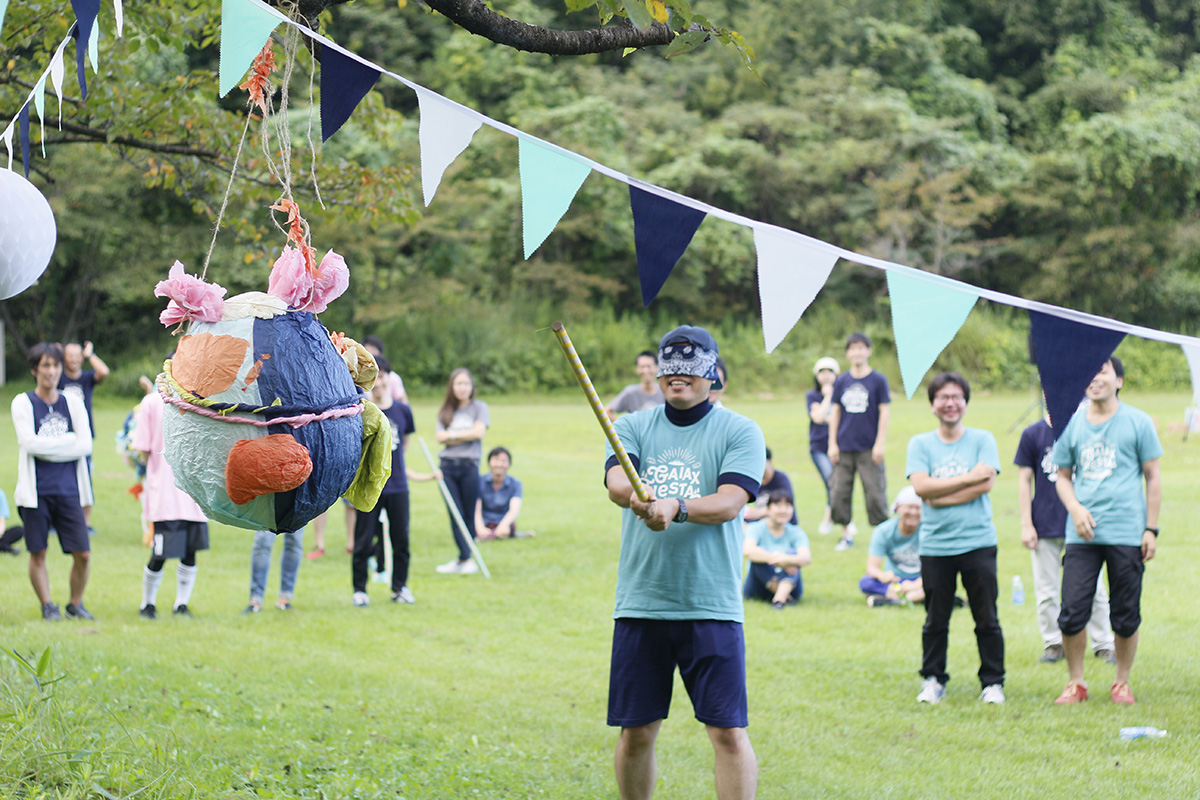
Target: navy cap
x,y
689,350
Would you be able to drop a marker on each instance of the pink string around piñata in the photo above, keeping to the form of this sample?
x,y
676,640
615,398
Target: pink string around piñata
x,y
298,421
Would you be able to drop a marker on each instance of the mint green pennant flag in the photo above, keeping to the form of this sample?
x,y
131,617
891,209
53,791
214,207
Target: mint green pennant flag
x,y
925,317
245,27
549,181
3,10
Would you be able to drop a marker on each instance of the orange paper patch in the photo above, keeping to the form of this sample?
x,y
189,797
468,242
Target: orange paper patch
x,y
275,463
206,363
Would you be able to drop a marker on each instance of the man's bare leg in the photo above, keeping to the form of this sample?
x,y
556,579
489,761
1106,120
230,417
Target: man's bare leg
x,y
736,767
783,591
1074,647
1126,649
79,576
635,762
39,577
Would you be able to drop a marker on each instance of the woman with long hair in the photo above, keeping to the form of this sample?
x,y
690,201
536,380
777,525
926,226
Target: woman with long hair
x,y
461,423
818,400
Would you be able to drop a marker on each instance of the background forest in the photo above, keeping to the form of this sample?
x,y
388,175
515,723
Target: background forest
x,y
1048,150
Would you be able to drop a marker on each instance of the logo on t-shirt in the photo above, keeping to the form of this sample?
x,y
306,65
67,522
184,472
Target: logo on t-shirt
x,y
1048,465
674,473
950,468
54,424
907,557
395,436
72,390
1098,460
856,399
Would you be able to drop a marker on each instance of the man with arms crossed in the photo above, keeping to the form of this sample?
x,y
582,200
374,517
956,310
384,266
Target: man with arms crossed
x,y
952,469
1103,455
679,599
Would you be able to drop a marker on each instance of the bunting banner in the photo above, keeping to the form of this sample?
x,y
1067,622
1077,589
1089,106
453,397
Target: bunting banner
x,y
94,49
662,230
6,137
23,132
445,131
119,17
39,105
1068,355
3,11
57,73
86,12
926,316
245,28
344,83
790,274
549,182
1192,352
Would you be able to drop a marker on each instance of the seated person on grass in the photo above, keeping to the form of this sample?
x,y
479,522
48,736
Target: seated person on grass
x,y
9,536
777,550
499,500
772,479
893,563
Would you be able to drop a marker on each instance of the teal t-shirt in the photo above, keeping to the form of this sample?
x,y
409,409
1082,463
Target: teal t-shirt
x,y
1107,462
688,571
952,530
901,554
789,543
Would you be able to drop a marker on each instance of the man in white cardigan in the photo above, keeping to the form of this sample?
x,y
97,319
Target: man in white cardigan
x,y
53,484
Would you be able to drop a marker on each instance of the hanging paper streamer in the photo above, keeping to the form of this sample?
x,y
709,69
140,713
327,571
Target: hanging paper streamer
x,y
790,274
926,315
1068,356
27,234
245,28
445,132
549,182
344,83
86,12
23,132
662,230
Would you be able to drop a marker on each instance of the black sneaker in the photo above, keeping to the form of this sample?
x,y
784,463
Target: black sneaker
x,y
181,610
78,612
148,612
776,605
50,612
252,609
880,600
1052,655
1110,656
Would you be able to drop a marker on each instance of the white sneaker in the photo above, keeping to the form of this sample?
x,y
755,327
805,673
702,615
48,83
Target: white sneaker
x,y
851,530
381,577
468,567
932,692
844,543
361,599
992,694
452,567
405,595
825,528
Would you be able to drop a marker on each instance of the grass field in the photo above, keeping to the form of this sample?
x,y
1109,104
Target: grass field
x,y
496,689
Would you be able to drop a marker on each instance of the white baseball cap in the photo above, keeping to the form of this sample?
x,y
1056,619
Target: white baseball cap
x,y
827,363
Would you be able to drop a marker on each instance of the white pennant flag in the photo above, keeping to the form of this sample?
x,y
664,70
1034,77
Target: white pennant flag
x,y
119,12
1192,352
445,132
56,76
790,274
7,137
39,103
94,46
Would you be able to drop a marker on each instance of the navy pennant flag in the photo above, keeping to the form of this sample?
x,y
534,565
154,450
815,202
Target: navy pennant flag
x,y
86,12
662,230
1068,355
344,83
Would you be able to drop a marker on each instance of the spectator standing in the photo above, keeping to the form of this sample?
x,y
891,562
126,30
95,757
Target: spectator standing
x,y
858,424
82,382
461,424
1104,455
643,394
260,568
820,402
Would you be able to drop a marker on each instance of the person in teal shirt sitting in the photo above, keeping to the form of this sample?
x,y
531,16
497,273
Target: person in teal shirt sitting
x,y
1105,452
894,557
777,550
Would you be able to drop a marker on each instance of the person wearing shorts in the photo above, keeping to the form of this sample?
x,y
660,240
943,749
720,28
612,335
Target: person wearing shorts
x,y
678,598
54,439
1104,455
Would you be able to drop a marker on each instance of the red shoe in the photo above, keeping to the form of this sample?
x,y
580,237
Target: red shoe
x,y
1072,693
1121,693
314,554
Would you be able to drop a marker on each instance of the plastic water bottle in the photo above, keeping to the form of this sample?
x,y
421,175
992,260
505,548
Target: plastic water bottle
x,y
1018,591
1142,732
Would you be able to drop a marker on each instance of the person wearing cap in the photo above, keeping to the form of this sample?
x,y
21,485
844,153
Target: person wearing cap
x,y
820,401
678,598
953,468
858,424
894,558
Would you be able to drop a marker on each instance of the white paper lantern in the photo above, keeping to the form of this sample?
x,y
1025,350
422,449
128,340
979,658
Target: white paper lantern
x,y
27,234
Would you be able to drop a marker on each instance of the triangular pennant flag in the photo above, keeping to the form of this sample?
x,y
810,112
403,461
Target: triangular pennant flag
x,y
119,14
245,28
790,274
549,181
94,49
23,132
39,104
85,17
3,10
57,70
7,137
662,230
925,317
1068,355
1192,351
344,83
445,132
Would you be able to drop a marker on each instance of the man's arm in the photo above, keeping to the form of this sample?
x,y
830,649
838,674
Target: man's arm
x,y
979,478
1081,518
875,570
479,526
711,509
1153,475
759,555
506,523
99,367
72,446
835,418
965,495
1025,479
885,416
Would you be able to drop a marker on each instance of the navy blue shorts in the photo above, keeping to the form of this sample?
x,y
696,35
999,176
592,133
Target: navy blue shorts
x,y
65,515
710,654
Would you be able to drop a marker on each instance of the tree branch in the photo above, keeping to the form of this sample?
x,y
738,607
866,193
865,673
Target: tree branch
x,y
86,134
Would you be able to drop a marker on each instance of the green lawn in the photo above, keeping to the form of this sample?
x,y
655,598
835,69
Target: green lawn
x,y
496,689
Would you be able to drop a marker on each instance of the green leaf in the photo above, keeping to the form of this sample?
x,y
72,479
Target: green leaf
x,y
43,663
579,5
639,13
685,42
627,51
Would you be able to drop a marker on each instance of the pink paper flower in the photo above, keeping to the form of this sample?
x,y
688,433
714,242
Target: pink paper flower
x,y
191,298
293,284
